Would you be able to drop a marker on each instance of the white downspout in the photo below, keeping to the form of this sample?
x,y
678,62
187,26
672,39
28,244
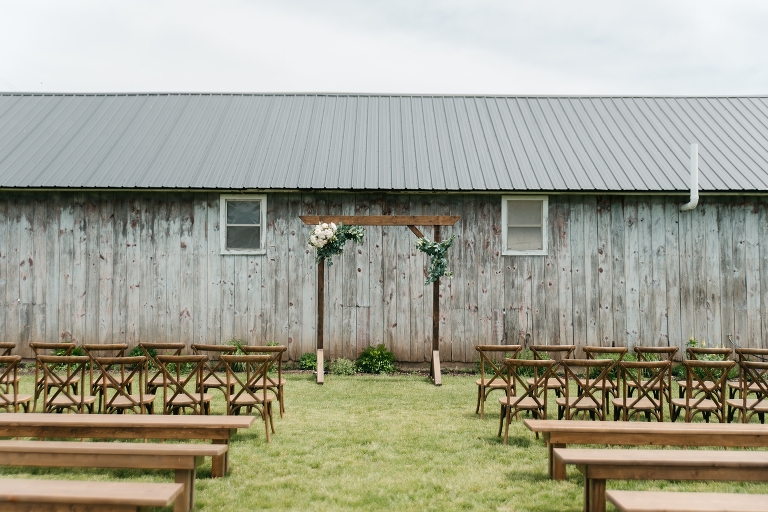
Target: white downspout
x,y
694,180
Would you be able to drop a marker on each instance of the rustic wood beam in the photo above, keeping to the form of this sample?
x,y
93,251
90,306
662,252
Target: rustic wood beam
x,y
416,231
383,220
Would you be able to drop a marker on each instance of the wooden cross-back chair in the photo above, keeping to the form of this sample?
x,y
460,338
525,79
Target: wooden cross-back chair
x,y
557,353
649,380
117,374
176,396
703,354
658,354
499,378
94,376
245,394
6,349
746,354
754,396
47,349
523,393
277,385
592,395
154,371
61,373
704,390
214,374
615,354
10,399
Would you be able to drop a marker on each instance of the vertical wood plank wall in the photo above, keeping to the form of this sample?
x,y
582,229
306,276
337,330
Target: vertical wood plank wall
x,y
101,267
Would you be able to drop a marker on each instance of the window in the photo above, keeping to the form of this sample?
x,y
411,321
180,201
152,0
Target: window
x,y
242,223
525,221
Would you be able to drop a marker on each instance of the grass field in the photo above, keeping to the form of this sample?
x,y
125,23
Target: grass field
x,y
382,443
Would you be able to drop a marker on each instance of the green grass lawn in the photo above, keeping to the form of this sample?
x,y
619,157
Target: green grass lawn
x,y
383,443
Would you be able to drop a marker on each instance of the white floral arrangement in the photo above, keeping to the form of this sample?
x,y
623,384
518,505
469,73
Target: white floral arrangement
x,y
329,239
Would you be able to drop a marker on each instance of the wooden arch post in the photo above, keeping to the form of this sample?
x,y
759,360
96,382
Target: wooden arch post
x,y
411,221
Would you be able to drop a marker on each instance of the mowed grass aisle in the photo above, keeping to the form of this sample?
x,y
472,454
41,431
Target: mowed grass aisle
x,y
383,443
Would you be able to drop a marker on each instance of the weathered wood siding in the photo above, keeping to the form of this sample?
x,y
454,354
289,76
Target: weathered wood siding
x,y
124,267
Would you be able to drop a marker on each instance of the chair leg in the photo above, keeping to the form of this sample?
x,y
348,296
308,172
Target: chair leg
x,y
501,420
479,393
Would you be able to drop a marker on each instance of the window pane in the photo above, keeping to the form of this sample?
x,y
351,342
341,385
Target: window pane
x,y
524,239
243,212
243,237
525,213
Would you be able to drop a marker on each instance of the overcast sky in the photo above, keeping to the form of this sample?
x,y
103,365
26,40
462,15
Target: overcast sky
x,y
614,47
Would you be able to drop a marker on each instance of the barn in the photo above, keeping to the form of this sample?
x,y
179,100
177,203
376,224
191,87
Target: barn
x,y
175,217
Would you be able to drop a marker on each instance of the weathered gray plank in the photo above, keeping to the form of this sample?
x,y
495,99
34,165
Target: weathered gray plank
x,y
134,278
119,270
186,289
659,261
724,232
347,262
12,290
591,271
714,290
738,277
215,258
26,267
362,276
563,248
672,265
173,270
701,304
374,238
79,268
162,240
93,264
51,269
687,256
752,329
648,320
471,264
4,247
618,271
404,276
604,273
106,267
578,263
631,271
762,229
421,328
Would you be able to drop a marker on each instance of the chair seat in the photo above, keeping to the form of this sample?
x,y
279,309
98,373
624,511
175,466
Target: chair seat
x,y
182,400
281,382
121,402
737,384
703,405
9,378
20,399
249,400
580,403
526,403
552,383
752,404
65,401
213,382
496,384
642,404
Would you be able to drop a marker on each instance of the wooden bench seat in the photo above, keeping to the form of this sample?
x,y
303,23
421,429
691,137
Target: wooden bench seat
x,y
218,429
559,434
652,501
599,465
182,458
17,495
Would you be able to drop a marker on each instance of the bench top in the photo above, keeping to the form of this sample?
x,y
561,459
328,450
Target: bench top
x,y
658,458
99,448
125,420
636,427
652,501
92,493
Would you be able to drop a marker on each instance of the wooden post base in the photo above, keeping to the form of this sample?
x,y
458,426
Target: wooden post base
x,y
320,367
434,369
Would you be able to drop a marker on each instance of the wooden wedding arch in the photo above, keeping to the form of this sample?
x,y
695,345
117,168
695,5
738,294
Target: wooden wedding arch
x,y
410,221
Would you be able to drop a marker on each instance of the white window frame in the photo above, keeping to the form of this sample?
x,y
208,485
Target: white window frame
x,y
544,225
223,222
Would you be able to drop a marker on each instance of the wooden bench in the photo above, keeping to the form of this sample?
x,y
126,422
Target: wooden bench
x,y
599,465
218,429
651,501
183,458
18,495
559,434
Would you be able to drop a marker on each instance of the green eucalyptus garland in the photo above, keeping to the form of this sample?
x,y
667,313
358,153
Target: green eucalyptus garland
x,y
329,239
438,263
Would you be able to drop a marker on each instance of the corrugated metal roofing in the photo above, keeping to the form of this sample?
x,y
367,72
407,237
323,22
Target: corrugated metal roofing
x,y
381,142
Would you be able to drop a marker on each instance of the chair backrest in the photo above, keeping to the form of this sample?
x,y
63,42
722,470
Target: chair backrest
x,y
649,379
98,350
175,382
706,380
152,350
601,352
752,354
556,352
255,369
502,352
655,353
129,369
61,375
7,348
275,351
591,377
213,365
9,373
756,374
42,348
696,353
534,387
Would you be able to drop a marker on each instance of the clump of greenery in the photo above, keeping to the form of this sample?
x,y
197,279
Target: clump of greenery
x,y
238,344
308,361
77,351
342,366
679,371
438,263
614,372
376,360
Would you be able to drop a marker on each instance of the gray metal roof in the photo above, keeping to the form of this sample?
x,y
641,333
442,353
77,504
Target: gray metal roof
x,y
381,142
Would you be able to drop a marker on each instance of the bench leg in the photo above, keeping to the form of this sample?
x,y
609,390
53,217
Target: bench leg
x,y
220,463
186,500
556,469
594,495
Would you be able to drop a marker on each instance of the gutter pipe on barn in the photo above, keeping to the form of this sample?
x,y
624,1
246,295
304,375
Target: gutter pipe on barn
x,y
694,180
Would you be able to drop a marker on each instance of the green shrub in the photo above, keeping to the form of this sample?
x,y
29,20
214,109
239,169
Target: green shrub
x,y
308,361
238,344
77,351
376,360
614,372
342,366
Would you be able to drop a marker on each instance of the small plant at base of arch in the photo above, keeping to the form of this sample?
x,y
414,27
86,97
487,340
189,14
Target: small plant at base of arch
x,y
376,360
